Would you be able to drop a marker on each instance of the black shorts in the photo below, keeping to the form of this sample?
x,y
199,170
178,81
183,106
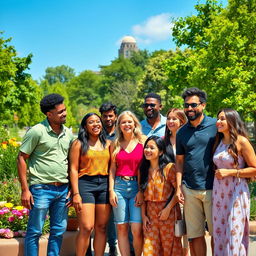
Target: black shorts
x,y
94,189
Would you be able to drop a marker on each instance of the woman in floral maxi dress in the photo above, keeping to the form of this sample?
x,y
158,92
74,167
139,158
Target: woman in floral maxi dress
x,y
235,161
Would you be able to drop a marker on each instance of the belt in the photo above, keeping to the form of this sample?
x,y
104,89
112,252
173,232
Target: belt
x,y
127,178
56,184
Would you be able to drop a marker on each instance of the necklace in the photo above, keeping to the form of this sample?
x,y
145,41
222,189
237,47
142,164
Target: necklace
x,y
153,170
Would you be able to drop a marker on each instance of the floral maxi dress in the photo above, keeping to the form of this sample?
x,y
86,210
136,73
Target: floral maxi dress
x,y
231,208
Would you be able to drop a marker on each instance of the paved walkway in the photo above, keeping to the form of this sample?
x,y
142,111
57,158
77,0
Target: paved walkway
x,y
69,245
252,248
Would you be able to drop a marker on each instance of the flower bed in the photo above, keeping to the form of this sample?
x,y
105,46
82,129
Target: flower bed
x,y
14,220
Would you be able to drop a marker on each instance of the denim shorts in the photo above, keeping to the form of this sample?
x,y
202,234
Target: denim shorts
x,y
126,211
94,189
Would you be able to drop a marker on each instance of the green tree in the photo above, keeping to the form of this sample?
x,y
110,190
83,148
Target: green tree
x,y
61,89
61,74
140,58
120,70
190,30
121,73
86,88
222,60
17,89
123,94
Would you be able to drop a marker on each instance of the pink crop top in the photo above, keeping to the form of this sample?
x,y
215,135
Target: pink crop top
x,y
128,163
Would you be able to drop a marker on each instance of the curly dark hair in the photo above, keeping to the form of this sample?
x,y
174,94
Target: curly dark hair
x,y
50,101
107,107
145,164
83,135
194,91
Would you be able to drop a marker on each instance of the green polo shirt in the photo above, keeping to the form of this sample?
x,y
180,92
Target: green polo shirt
x,y
48,160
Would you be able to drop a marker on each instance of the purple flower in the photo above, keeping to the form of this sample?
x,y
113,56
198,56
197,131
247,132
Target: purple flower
x,y
16,212
16,233
5,209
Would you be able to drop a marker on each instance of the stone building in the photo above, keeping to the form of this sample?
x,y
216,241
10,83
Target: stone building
x,y
128,45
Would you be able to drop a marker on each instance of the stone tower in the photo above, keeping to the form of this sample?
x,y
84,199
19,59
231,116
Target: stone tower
x,y
128,45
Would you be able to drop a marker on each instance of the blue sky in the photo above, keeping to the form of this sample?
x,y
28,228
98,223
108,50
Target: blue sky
x,y
84,34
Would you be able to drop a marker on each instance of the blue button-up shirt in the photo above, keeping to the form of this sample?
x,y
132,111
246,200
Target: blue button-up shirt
x,y
158,131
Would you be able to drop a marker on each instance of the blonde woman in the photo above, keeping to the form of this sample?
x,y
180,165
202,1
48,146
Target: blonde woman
x,y
126,155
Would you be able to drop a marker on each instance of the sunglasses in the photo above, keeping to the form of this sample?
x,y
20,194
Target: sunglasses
x,y
192,105
146,105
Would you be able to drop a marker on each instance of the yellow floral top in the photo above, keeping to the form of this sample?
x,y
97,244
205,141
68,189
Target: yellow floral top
x,y
160,188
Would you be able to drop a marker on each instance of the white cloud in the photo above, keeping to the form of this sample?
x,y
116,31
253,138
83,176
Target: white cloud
x,y
155,28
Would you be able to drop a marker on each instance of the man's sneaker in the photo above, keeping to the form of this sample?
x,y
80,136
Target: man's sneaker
x,y
112,251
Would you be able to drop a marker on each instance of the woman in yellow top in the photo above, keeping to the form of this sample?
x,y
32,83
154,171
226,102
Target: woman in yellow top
x,y
89,162
158,183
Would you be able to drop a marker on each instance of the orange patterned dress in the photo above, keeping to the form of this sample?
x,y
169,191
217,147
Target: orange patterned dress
x,y
159,240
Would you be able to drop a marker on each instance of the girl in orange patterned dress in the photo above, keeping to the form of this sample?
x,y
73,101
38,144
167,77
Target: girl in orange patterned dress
x,y
158,184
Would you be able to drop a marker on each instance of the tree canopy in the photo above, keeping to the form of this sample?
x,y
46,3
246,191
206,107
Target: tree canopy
x,y
222,59
61,74
18,92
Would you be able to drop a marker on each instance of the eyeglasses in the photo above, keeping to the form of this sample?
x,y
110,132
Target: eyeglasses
x,y
192,105
146,105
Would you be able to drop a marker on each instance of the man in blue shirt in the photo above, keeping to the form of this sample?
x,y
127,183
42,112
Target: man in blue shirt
x,y
194,167
155,123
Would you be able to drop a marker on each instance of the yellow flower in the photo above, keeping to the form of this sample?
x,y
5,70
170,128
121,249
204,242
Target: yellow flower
x,y
8,205
4,145
19,207
13,142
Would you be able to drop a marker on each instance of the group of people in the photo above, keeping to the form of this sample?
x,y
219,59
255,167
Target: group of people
x,y
136,176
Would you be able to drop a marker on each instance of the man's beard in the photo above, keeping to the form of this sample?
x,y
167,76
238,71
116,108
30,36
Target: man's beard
x,y
194,117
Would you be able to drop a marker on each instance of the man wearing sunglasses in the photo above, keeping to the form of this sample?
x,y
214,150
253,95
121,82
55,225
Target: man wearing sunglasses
x,y
154,124
194,168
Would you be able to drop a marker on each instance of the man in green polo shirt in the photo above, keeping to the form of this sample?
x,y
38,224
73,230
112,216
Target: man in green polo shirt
x,y
45,147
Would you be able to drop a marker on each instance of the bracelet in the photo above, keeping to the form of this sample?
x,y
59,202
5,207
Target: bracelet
x,y
75,194
237,173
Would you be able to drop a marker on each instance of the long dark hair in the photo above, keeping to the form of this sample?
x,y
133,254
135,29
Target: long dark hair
x,y
236,127
145,164
183,119
83,135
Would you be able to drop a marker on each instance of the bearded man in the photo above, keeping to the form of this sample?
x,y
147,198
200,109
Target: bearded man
x,y
194,166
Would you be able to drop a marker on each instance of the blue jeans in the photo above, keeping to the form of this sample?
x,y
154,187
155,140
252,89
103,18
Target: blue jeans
x,y
47,198
126,211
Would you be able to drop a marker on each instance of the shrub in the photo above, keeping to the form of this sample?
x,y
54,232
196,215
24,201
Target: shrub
x,y
10,190
8,154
